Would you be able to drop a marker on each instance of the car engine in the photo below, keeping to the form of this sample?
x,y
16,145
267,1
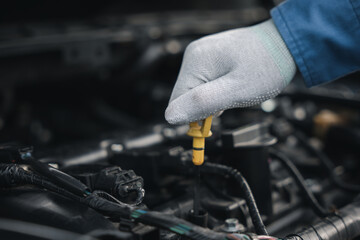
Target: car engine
x,y
86,152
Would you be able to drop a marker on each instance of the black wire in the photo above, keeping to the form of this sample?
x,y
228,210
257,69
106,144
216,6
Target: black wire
x,y
291,168
328,164
11,174
245,188
58,177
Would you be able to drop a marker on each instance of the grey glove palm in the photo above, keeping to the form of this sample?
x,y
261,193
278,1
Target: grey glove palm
x,y
236,68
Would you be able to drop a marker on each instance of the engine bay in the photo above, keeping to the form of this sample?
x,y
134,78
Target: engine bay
x,y
86,153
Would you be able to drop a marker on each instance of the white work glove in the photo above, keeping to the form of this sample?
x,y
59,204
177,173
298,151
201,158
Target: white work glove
x,y
236,68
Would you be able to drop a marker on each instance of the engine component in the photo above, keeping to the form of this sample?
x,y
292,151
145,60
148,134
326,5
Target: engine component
x,y
117,182
251,142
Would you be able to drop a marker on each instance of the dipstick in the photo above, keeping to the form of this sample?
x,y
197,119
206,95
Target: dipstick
x,y
199,133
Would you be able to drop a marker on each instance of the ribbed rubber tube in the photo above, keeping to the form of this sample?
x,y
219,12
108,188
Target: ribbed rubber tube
x,y
342,226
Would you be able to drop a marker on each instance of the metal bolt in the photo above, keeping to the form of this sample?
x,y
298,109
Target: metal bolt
x,y
233,225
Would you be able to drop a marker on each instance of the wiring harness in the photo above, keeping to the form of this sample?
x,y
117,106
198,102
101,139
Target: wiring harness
x,y
12,174
343,225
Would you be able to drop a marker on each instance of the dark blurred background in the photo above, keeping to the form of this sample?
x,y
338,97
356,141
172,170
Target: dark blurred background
x,y
79,70
40,10
75,70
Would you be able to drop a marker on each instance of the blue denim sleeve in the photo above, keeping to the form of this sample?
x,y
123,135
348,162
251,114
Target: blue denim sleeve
x,y
323,36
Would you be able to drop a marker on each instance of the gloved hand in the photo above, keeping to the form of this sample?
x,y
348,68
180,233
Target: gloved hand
x,y
236,68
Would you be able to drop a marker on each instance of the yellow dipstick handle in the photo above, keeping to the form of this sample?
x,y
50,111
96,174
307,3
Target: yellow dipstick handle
x,y
199,133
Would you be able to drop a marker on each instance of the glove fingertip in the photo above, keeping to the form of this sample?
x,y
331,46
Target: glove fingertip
x,y
173,116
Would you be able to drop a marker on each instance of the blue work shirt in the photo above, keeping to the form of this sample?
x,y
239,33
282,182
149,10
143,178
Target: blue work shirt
x,y
323,36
